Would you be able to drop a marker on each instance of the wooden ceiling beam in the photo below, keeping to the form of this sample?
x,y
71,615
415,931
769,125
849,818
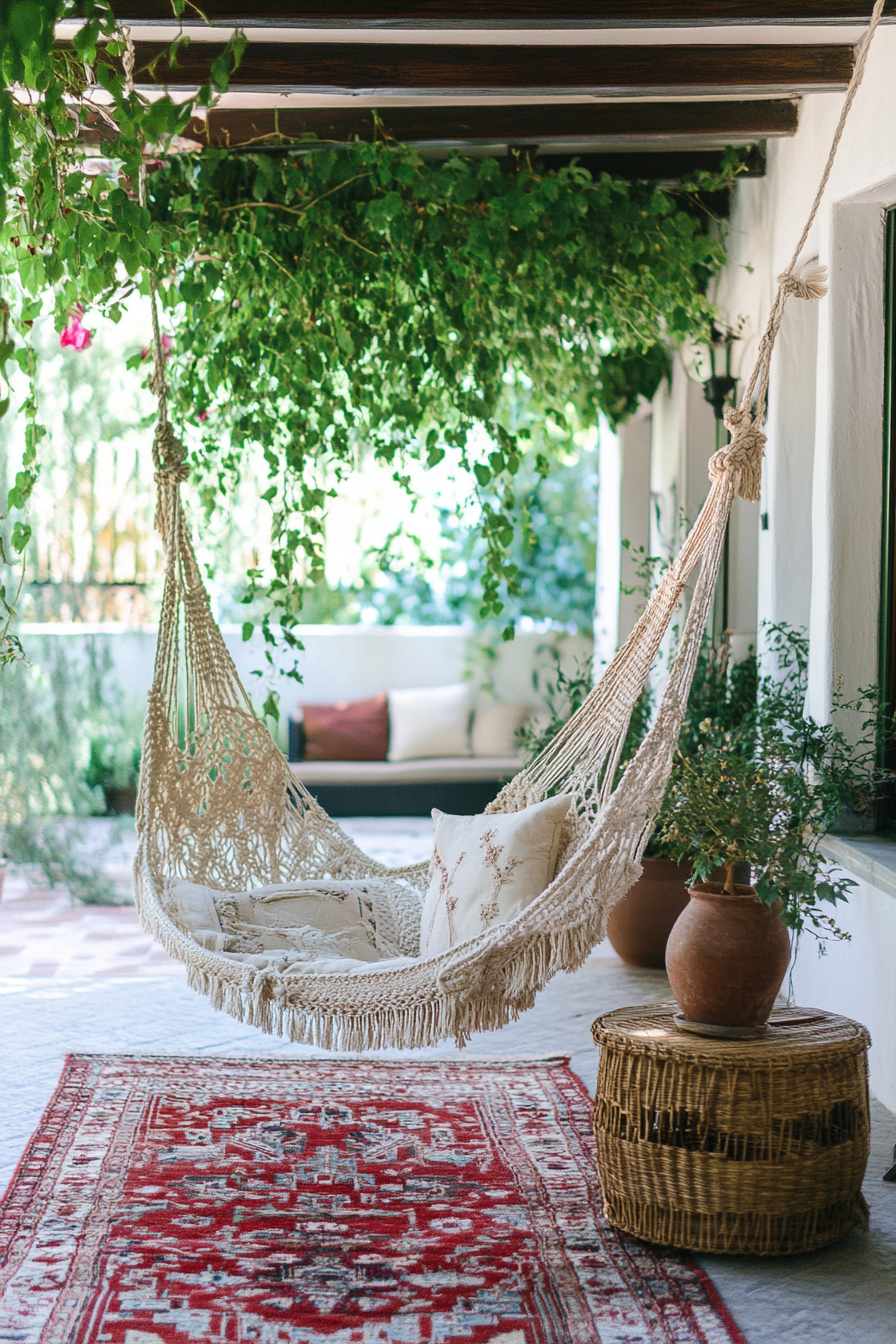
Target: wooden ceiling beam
x,y
656,166
508,13
537,123
406,69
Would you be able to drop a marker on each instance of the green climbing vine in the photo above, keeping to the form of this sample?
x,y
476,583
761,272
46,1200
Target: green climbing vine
x,y
324,302
339,299
74,237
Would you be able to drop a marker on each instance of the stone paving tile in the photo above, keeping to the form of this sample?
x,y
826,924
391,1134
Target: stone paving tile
x,y
43,933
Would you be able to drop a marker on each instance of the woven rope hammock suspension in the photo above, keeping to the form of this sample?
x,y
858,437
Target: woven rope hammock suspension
x,y
219,808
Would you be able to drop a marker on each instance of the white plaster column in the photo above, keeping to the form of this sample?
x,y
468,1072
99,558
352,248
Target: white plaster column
x,y
609,545
699,445
743,545
684,439
634,441
785,540
666,464
848,470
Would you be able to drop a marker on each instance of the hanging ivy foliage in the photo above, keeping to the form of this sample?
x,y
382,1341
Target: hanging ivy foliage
x,y
74,238
325,301
360,295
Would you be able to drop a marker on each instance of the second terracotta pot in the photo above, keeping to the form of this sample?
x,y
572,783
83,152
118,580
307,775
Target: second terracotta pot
x,y
726,957
640,923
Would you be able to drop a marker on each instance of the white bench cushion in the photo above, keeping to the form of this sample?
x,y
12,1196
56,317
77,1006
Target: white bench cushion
x,y
428,770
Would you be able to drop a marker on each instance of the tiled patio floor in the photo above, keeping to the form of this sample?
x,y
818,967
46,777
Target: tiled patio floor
x,y
44,933
88,979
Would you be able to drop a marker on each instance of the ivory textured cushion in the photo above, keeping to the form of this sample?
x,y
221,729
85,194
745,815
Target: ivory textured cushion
x,y
350,730
495,728
485,869
431,721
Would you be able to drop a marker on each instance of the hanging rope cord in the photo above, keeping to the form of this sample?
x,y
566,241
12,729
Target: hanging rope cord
x,y
745,451
169,452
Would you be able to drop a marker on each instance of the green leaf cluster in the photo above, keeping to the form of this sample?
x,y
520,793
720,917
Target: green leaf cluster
x,y
49,714
73,233
766,786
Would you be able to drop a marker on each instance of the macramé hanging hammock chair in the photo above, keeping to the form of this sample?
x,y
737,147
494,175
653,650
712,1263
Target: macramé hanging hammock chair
x,y
219,807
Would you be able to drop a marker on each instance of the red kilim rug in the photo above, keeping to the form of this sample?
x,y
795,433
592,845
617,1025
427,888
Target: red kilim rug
x,y
168,1200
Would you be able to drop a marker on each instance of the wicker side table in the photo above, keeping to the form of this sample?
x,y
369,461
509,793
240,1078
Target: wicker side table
x,y
746,1147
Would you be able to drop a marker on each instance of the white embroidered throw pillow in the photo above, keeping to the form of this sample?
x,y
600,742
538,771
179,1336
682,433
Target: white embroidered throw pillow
x,y
485,869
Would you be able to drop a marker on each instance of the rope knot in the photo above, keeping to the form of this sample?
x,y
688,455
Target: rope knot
x,y
743,455
176,473
169,455
810,281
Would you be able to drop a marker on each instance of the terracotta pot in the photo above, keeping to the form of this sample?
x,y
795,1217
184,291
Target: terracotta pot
x,y
640,923
726,957
121,801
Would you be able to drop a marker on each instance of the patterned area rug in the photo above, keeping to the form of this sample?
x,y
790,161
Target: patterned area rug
x,y
166,1200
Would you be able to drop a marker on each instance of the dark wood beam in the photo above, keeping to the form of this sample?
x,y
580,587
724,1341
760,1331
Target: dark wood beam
x,y
396,68
508,13
538,123
658,166
662,164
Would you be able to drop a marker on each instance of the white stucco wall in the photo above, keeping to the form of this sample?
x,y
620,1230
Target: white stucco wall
x,y
784,542
856,978
609,544
684,436
818,561
824,506
344,662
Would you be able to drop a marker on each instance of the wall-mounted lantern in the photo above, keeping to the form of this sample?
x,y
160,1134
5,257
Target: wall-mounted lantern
x,y
721,383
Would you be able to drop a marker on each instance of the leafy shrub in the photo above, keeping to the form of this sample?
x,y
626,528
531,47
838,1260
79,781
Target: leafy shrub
x,y
43,792
765,788
564,693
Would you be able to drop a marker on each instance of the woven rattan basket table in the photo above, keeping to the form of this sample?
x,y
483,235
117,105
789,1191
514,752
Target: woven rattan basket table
x,y
749,1147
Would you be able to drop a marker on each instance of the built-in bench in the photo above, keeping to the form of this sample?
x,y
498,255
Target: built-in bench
x,y
461,784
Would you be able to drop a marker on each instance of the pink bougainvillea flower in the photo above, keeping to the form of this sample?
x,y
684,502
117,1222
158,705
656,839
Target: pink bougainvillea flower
x,y
203,415
167,347
75,334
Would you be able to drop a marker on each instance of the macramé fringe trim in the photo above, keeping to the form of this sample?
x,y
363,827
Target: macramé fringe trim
x,y
407,1006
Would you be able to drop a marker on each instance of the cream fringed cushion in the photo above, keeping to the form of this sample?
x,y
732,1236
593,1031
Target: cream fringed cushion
x,y
487,868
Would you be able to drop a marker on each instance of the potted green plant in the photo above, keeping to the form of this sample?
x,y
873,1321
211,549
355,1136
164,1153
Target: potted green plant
x,y
114,766
723,694
763,795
